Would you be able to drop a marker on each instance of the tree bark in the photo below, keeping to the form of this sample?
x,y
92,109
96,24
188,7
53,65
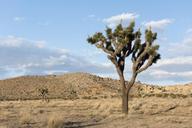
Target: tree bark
x,y
125,101
124,95
120,69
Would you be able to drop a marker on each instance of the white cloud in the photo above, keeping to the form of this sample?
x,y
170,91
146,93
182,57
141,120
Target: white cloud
x,y
166,74
113,75
55,72
189,30
18,19
182,48
62,50
182,60
40,43
13,41
124,17
45,23
51,61
20,56
159,24
91,16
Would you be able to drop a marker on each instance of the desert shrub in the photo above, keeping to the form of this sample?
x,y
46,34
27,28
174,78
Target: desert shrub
x,y
137,106
55,121
165,95
86,97
151,95
94,97
25,118
183,96
151,89
173,95
139,95
159,95
177,95
41,111
162,89
133,95
73,94
145,95
104,96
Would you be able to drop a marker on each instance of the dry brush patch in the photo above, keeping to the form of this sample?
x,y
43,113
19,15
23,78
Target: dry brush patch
x,y
143,111
55,121
25,118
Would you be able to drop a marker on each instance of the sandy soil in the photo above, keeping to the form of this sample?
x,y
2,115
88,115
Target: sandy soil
x,y
150,112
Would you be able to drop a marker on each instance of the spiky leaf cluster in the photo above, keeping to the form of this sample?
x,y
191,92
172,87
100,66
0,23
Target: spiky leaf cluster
x,y
117,40
122,42
145,52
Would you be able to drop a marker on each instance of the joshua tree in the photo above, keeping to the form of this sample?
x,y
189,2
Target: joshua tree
x,y
123,42
44,94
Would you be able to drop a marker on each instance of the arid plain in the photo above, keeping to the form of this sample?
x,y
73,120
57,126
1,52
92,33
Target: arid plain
x,y
82,100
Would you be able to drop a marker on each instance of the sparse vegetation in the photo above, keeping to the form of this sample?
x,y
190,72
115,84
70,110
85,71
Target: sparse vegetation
x,y
97,113
25,118
55,121
99,104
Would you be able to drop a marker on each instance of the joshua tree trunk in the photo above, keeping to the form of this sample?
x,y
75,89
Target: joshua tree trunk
x,y
124,95
124,101
126,91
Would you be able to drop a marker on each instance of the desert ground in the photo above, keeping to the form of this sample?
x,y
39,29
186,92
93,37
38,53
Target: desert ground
x,y
97,113
86,101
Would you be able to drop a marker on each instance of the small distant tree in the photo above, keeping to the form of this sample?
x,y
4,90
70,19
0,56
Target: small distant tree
x,y
123,42
44,94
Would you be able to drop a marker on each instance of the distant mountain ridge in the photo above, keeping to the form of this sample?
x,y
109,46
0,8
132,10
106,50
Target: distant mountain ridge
x,y
77,85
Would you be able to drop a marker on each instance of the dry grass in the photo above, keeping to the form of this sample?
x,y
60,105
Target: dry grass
x,y
158,107
55,121
25,118
149,112
3,127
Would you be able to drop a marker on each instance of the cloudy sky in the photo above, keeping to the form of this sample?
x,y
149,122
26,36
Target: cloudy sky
x,y
49,37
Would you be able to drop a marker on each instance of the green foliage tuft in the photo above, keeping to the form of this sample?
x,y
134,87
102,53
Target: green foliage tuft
x,y
123,41
138,34
109,33
157,57
118,31
96,38
154,36
149,36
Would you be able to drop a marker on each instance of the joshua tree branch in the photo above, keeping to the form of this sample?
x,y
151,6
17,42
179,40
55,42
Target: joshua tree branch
x,y
148,64
132,81
138,60
113,60
105,50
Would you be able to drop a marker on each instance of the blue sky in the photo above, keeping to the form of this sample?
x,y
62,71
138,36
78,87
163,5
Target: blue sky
x,y
49,37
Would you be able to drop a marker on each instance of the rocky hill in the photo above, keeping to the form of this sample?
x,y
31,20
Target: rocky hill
x,y
79,85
